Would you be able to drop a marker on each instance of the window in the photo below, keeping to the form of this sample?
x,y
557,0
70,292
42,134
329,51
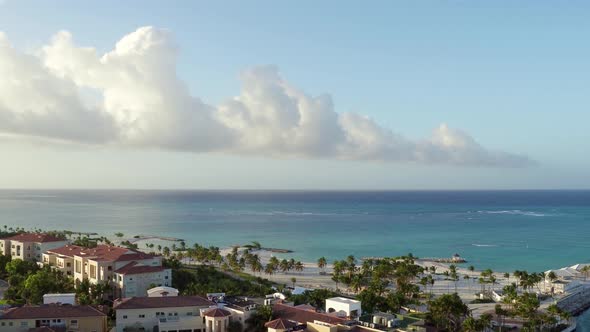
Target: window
x,y
141,316
124,316
190,313
166,277
74,322
92,271
68,264
109,268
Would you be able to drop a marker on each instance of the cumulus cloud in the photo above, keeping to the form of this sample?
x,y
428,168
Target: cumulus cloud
x,y
132,96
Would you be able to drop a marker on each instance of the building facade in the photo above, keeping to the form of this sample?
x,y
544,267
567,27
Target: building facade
x,y
63,317
129,272
167,313
30,246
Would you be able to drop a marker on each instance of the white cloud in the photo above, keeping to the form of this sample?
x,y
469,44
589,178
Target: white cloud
x,y
132,96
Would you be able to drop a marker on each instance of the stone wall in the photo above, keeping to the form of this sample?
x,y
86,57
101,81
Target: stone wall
x,y
577,302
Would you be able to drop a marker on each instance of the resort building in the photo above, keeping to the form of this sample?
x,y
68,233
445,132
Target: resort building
x,y
167,313
240,307
64,298
53,318
134,279
566,280
30,246
306,318
344,307
130,272
302,316
62,258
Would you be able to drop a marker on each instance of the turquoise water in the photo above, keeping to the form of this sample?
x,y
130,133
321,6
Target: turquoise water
x,y
502,230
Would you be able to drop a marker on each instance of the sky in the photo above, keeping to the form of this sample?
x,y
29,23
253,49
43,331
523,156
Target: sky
x,y
294,95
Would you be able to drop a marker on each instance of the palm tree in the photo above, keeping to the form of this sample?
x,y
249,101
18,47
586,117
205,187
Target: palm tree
x,y
284,265
257,266
351,265
466,277
119,234
299,266
269,269
322,263
552,278
356,283
293,281
159,248
454,275
256,245
166,251
507,276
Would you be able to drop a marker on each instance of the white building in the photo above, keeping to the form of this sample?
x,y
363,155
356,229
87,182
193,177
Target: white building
x,y
162,291
344,307
134,279
66,298
168,313
130,272
30,246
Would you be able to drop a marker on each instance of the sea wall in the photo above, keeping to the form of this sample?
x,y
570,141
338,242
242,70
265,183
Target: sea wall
x,y
577,302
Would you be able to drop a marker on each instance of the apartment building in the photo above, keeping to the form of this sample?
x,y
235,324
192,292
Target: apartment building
x,y
53,318
30,246
129,271
164,313
62,258
134,279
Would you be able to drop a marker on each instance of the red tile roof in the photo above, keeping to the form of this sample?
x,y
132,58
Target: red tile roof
x,y
280,324
51,311
68,250
217,312
34,237
136,268
48,329
162,302
306,307
304,316
113,253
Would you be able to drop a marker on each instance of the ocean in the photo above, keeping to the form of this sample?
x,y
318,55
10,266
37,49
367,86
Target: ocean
x,y
501,230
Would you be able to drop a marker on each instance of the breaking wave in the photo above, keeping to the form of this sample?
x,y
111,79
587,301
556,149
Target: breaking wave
x,y
516,212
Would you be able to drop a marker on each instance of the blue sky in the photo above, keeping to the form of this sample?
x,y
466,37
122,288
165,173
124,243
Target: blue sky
x,y
513,75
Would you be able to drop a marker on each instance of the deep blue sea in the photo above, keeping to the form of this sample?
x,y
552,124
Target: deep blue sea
x,y
502,230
